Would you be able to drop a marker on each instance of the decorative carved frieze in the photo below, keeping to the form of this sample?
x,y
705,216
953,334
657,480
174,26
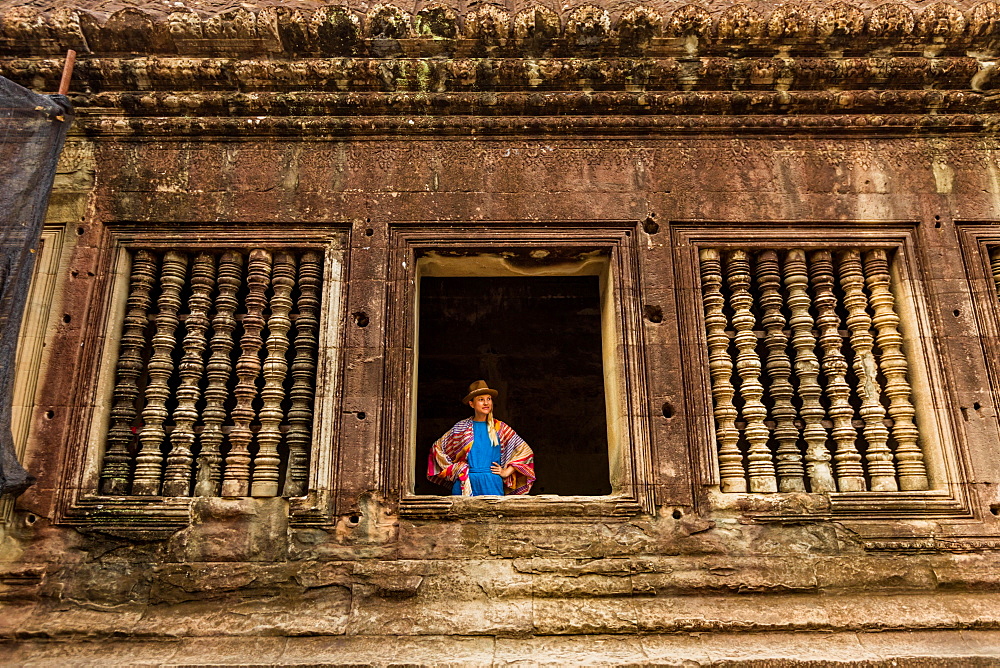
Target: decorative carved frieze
x,y
208,430
385,30
869,67
847,366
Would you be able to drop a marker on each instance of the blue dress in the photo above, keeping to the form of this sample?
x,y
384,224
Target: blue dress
x,y
481,455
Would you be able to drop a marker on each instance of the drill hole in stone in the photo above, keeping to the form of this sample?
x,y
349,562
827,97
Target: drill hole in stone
x,y
667,410
49,415
653,314
369,232
956,313
67,318
976,406
79,231
995,508
354,519
650,225
676,514
360,318
360,415
30,519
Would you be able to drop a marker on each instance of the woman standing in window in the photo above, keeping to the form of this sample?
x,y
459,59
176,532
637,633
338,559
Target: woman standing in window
x,y
481,455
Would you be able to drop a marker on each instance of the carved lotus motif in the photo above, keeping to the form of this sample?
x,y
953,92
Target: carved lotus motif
x,y
185,25
588,25
984,20
690,20
437,21
891,20
840,20
488,23
337,29
388,22
637,28
237,23
790,21
536,22
740,22
941,20
21,21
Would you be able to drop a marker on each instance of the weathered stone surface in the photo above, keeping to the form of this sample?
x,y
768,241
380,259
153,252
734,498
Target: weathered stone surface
x,y
667,124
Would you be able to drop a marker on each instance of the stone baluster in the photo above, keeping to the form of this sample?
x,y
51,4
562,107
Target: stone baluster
x,y
817,455
149,461
180,460
218,371
236,479
731,471
760,466
300,413
847,459
791,473
267,461
117,459
909,457
995,268
881,471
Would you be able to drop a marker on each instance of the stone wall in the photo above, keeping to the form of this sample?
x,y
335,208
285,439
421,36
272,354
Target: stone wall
x,y
666,568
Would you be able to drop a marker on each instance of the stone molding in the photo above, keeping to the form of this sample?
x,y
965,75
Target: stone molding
x,y
520,29
276,70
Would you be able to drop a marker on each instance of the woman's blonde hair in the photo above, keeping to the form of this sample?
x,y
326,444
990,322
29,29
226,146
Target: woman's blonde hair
x,y
491,428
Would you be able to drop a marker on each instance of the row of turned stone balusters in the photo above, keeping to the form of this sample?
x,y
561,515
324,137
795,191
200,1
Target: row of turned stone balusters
x,y
175,474
800,283
995,267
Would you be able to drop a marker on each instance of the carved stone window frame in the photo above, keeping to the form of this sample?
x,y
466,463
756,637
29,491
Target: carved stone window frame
x,y
941,439
976,238
622,319
80,502
43,298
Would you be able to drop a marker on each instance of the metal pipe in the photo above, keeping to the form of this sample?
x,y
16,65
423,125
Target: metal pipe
x,y
67,72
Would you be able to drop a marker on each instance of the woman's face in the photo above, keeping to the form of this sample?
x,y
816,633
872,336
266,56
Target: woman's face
x,y
482,405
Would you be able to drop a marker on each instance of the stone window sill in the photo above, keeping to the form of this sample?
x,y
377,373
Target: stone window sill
x,y
546,505
797,507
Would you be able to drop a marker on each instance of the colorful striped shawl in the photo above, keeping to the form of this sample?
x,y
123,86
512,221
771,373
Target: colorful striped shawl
x,y
447,460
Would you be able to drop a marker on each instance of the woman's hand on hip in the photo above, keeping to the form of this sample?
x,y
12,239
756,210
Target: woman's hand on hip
x,y
502,472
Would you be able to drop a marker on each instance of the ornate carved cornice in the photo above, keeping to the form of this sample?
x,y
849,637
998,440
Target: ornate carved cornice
x,y
511,30
660,66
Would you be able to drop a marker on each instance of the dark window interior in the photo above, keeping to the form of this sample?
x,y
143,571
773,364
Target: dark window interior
x,y
537,340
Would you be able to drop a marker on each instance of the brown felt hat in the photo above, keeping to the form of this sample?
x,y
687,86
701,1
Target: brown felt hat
x,y
477,388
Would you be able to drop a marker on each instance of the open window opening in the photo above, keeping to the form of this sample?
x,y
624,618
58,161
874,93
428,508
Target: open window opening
x,y
535,325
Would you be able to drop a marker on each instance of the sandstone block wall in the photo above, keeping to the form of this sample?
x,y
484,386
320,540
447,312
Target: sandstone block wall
x,y
191,154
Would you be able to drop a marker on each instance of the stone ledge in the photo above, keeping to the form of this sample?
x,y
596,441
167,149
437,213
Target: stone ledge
x,y
937,648
418,607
